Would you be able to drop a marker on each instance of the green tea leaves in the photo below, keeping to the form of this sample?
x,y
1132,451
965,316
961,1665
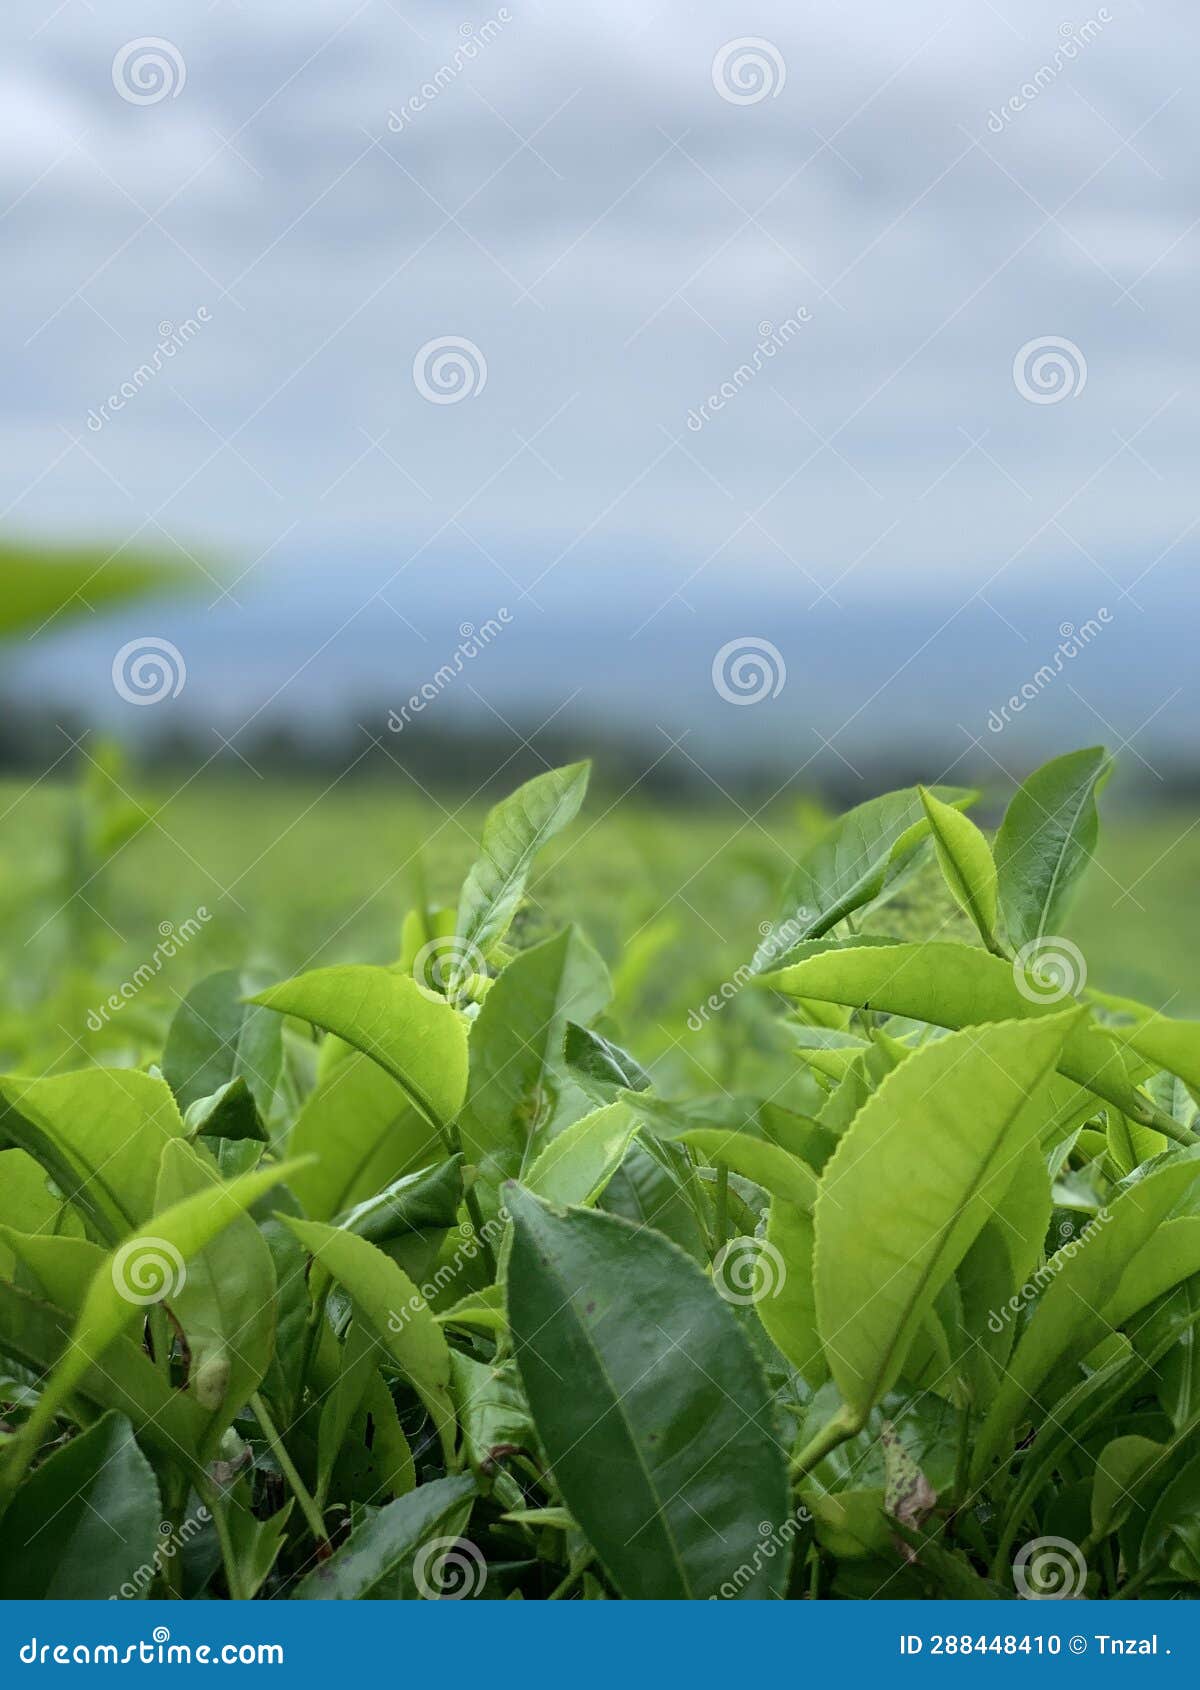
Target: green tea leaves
x,y
659,1427
1046,840
910,1185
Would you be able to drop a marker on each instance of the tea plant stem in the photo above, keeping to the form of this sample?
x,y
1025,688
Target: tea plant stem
x,y
214,1500
722,1218
299,1489
844,1425
1150,1115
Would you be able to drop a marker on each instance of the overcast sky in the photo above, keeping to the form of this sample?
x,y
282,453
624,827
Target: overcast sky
x,y
613,205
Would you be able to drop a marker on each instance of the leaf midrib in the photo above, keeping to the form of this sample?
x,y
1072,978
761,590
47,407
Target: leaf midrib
x,y
567,1303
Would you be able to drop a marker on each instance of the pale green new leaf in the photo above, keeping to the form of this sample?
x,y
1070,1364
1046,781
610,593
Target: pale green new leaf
x,y
389,1302
414,1035
911,1184
513,834
99,1134
959,986
578,1163
966,862
1046,840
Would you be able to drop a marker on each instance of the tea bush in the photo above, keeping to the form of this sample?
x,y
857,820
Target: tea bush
x,y
433,1279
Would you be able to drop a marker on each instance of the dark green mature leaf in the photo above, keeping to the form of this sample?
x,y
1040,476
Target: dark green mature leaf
x,y
1046,840
910,1185
663,1444
85,1522
230,1113
602,1068
649,1192
425,1201
513,834
379,1562
415,1036
216,1037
